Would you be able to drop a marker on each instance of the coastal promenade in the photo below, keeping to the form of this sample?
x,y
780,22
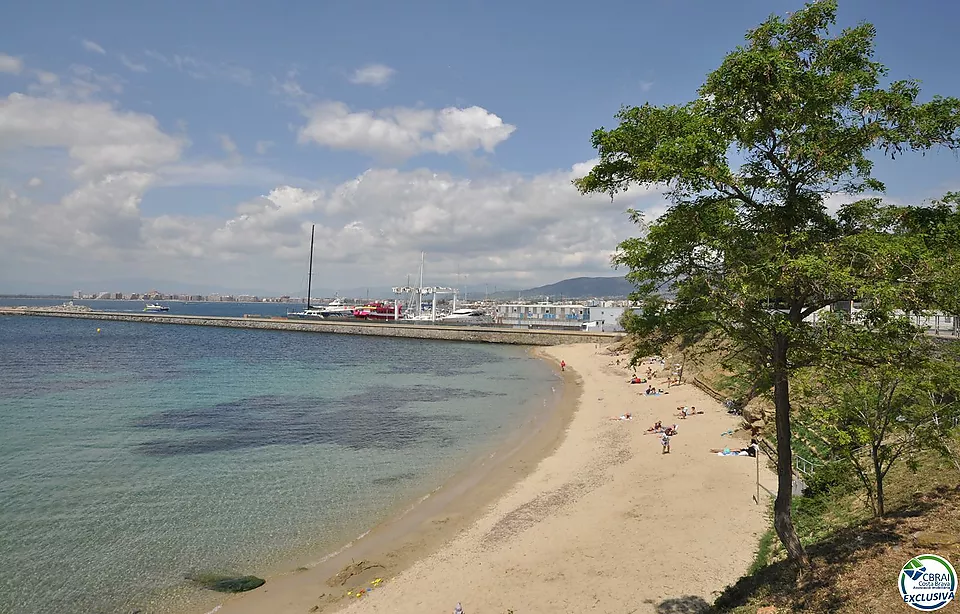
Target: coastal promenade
x,y
514,336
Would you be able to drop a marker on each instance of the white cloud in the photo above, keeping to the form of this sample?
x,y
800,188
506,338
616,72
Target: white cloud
x,y
404,132
646,86
89,45
10,64
115,159
202,70
263,147
134,66
97,136
506,227
372,74
159,57
47,78
81,83
229,147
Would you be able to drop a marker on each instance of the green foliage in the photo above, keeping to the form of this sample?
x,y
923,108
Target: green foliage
x,y
764,551
830,479
883,403
748,246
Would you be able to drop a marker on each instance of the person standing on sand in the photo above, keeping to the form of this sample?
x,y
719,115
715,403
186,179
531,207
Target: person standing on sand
x,y
665,442
563,365
458,609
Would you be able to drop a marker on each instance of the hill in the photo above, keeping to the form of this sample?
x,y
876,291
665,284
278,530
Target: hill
x,y
577,287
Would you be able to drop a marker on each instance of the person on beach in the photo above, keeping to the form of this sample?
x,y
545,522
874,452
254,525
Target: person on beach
x,y
563,365
458,609
656,428
751,450
626,416
665,442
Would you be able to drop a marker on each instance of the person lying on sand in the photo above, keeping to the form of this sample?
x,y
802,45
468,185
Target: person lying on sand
x,y
750,450
637,380
626,416
656,428
671,430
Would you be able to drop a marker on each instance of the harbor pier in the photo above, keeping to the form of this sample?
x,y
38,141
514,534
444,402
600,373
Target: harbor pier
x,y
479,334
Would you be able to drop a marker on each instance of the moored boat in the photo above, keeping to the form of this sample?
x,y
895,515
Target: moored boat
x,y
377,311
155,307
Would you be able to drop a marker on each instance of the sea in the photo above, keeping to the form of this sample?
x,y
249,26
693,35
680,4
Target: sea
x,y
135,455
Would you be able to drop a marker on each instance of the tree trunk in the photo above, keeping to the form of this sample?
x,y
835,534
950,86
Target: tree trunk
x,y
878,475
782,520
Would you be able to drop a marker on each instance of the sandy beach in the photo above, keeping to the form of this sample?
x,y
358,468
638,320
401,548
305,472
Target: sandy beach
x,y
604,523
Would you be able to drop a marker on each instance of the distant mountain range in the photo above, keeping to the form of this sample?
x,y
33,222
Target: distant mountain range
x,y
577,287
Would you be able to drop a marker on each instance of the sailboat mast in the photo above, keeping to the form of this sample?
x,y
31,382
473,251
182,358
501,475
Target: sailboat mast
x,y
420,288
310,274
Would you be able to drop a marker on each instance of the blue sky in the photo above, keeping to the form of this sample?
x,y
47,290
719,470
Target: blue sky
x,y
233,87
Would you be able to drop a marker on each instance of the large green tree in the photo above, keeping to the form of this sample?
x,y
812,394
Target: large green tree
x,y
748,245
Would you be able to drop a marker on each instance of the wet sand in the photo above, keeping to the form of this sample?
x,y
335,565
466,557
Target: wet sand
x,y
603,523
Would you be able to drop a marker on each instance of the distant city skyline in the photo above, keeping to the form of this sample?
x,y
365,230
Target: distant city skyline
x,y
197,142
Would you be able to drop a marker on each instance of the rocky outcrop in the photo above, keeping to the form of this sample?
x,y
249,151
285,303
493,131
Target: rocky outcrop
x,y
227,584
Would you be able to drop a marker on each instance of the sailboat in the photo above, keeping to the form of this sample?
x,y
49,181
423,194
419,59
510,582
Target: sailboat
x,y
309,311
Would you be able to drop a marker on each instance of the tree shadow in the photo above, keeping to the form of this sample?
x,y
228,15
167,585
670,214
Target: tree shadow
x,y
688,604
845,546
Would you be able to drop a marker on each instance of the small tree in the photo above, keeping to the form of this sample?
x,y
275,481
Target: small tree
x,y
880,405
748,245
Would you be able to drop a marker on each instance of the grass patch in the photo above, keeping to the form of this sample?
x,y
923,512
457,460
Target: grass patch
x,y
764,551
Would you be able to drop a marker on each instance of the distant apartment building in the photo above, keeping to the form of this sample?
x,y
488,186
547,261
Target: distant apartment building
x,y
580,316
541,315
77,294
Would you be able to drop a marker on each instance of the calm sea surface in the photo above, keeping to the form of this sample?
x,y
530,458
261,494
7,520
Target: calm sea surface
x,y
142,453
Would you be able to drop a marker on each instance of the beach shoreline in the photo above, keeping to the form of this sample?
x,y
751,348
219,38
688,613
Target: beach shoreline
x,y
598,519
417,530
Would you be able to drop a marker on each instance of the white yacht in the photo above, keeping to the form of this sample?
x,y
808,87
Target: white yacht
x,y
336,308
466,314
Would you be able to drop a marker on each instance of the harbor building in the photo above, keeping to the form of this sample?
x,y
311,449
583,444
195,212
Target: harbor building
x,y
541,315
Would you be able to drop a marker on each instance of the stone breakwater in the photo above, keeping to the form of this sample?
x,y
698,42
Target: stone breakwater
x,y
515,336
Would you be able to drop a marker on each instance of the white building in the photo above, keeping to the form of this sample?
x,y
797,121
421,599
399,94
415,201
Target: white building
x,y
541,315
560,315
604,319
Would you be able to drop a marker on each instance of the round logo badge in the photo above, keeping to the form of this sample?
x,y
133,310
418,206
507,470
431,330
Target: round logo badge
x,y
927,582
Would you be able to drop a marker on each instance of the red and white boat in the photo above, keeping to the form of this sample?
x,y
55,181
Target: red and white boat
x,y
377,311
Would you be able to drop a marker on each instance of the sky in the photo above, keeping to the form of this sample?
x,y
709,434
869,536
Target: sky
x,y
193,144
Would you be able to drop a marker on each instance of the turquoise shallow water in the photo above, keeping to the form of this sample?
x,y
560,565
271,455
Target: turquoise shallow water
x,y
138,455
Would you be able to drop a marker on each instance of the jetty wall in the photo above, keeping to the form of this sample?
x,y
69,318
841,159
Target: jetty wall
x,y
481,334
